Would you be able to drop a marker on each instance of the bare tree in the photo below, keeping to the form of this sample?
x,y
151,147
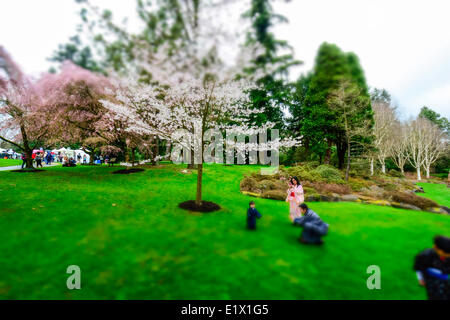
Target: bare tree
x,y
400,145
416,142
435,145
385,120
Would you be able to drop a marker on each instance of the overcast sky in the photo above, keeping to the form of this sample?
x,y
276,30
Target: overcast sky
x,y
403,45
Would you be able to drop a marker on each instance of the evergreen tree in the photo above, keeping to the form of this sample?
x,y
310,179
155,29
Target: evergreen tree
x,y
276,92
320,125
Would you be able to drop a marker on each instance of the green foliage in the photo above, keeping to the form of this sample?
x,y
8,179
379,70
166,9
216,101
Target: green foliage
x,y
275,92
320,125
329,173
304,173
442,122
78,53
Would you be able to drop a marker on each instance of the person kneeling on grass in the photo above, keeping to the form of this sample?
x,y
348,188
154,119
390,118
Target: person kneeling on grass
x,y
433,268
313,227
252,214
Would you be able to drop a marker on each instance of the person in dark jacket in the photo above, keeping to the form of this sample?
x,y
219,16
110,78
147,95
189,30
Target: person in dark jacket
x,y
433,268
252,215
313,227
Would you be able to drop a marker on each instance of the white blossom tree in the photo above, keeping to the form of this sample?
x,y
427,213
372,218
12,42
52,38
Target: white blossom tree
x,y
186,98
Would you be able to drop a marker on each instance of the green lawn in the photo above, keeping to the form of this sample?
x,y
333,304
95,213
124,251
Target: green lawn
x,y
131,240
437,192
9,162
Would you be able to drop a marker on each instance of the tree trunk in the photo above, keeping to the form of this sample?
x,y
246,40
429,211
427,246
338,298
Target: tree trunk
x,y
133,156
126,155
347,171
418,174
27,149
341,150
191,164
371,166
383,167
327,158
198,200
428,171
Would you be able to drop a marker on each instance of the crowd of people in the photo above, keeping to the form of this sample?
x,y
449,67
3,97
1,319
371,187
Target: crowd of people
x,y
49,157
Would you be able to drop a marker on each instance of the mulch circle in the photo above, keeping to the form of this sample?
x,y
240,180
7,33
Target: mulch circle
x,y
27,170
206,206
128,171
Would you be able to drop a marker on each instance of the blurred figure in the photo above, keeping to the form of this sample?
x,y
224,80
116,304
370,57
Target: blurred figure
x,y
313,227
433,267
24,159
252,215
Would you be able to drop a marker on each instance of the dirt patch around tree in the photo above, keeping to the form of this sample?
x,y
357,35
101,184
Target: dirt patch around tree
x,y
206,206
128,171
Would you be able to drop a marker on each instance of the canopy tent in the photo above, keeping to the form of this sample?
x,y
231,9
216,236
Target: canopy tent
x,y
71,153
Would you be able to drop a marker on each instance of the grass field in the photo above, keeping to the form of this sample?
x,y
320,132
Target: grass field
x,y
131,240
437,192
9,162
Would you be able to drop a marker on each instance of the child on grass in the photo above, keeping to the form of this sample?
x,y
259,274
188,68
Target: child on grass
x,y
252,214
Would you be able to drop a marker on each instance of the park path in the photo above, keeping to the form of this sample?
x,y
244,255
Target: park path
x,y
20,167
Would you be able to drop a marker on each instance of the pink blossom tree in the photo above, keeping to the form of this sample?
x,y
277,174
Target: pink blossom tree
x,y
24,120
73,97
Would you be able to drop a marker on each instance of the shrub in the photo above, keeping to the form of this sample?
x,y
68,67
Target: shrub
x,y
274,194
328,188
248,184
304,174
411,198
396,174
329,173
266,185
357,184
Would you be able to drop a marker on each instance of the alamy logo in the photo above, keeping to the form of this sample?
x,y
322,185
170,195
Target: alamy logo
x,y
74,280
374,281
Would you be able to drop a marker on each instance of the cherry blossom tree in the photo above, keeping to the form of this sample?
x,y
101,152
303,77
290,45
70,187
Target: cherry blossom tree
x,y
72,96
25,122
186,99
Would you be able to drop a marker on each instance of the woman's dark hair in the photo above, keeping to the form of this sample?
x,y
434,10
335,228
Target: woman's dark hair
x,y
251,202
296,179
442,243
304,206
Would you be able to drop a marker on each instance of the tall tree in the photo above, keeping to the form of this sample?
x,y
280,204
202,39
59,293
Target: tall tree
x,y
320,125
272,61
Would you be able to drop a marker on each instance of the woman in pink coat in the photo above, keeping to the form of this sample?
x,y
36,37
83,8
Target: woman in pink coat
x,y
295,197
